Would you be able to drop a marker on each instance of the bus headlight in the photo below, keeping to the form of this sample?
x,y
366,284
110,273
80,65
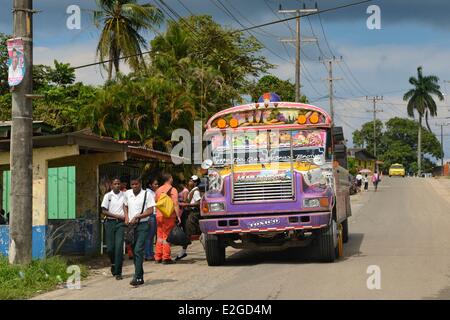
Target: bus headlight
x,y
311,203
316,203
216,206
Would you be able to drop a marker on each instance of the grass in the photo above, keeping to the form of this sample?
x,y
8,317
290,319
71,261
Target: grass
x,y
21,282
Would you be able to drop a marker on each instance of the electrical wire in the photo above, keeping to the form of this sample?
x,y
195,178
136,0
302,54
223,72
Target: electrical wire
x,y
236,31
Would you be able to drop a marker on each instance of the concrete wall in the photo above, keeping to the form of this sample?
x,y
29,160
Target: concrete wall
x,y
83,235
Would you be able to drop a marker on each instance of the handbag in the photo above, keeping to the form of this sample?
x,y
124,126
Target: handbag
x,y
130,231
165,204
177,237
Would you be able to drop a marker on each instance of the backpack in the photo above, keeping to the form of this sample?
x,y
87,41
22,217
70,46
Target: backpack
x,y
165,204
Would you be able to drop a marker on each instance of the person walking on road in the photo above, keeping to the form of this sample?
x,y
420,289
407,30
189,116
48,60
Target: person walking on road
x,y
138,206
112,207
365,180
359,178
375,180
149,252
165,225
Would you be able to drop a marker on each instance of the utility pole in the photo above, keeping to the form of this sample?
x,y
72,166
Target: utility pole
x,y
329,65
442,125
298,40
375,111
21,160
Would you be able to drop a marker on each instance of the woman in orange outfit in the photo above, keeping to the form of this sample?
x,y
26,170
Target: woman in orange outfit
x,y
165,225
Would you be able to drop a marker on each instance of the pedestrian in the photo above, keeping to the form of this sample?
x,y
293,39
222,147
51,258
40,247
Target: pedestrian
x,y
183,192
112,207
164,224
149,252
124,187
191,212
359,178
366,182
138,206
375,180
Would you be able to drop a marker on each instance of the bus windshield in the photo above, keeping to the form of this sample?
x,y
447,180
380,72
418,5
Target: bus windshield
x,y
266,146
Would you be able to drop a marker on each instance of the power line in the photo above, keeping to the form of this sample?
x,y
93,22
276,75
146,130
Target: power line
x,y
224,9
309,14
236,31
185,7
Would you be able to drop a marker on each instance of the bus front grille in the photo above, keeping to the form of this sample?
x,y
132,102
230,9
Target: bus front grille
x,y
262,191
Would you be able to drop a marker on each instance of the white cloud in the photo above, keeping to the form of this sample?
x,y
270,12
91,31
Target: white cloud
x,y
76,55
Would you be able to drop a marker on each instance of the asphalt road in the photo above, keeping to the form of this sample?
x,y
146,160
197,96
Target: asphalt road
x,y
403,230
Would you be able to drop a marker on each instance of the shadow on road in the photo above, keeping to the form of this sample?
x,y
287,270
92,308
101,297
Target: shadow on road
x,y
291,255
353,247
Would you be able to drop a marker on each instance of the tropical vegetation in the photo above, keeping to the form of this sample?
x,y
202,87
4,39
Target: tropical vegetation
x,y
397,143
420,99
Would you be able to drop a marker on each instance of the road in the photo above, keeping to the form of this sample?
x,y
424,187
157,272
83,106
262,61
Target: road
x,y
404,229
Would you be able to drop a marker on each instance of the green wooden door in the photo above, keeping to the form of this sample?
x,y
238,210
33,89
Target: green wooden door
x,y
61,192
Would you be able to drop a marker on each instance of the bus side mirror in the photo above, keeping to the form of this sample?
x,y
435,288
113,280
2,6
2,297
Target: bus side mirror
x,y
338,134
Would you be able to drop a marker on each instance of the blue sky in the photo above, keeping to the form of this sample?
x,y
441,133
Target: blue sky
x,y
376,62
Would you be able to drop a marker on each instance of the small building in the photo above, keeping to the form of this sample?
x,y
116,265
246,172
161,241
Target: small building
x,y
71,172
363,158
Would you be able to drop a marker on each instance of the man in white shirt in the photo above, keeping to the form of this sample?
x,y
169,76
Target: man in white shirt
x,y
359,178
112,207
138,206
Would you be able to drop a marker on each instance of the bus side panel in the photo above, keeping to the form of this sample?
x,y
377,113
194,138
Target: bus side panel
x,y
342,193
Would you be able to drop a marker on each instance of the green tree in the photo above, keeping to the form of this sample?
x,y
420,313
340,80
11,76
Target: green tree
x,y
62,74
122,22
212,63
4,88
364,137
397,142
420,99
270,83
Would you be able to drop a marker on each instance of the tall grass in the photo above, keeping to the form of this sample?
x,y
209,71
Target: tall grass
x,y
21,282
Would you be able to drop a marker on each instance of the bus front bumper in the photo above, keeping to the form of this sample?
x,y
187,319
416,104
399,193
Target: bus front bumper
x,y
265,223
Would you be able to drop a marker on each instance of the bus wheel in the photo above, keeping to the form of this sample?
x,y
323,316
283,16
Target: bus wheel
x,y
328,243
214,250
345,231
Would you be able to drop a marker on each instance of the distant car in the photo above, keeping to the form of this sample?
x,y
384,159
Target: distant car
x,y
397,169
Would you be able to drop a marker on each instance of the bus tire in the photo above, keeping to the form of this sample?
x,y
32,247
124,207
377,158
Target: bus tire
x,y
327,250
214,250
345,231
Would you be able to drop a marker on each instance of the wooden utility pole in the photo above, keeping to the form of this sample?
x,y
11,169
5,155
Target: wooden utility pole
x,y
375,111
21,150
330,79
298,40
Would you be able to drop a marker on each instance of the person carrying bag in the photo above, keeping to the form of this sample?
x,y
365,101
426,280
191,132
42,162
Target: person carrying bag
x,y
167,213
138,206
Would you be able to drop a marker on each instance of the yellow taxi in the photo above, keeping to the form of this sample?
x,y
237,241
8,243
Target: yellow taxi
x,y
397,169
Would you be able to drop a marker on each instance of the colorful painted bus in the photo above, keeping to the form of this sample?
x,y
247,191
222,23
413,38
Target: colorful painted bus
x,y
277,177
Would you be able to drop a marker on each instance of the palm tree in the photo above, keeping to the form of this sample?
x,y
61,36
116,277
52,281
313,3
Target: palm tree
x,y
420,99
122,22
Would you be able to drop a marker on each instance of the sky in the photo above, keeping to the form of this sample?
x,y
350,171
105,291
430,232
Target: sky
x,y
374,62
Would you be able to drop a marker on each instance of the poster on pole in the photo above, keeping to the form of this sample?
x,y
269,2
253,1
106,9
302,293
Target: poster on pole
x,y
16,61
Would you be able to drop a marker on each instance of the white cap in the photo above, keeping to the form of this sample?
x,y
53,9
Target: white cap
x,y
207,164
194,178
